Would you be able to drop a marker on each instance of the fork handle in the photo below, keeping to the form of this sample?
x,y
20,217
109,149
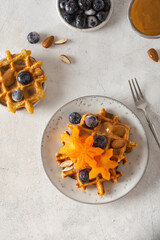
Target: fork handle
x,y
153,130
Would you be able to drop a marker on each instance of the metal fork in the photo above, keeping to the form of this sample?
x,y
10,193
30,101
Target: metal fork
x,y
141,104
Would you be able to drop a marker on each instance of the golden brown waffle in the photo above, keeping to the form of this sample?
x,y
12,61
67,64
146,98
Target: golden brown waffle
x,y
10,67
117,135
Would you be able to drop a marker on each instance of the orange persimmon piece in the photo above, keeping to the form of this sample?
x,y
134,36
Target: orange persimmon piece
x,y
86,154
79,149
103,165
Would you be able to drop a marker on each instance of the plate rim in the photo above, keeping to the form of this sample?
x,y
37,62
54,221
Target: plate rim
x,y
81,201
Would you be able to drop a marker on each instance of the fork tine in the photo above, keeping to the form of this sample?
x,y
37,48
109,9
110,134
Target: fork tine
x,y
135,90
132,91
139,88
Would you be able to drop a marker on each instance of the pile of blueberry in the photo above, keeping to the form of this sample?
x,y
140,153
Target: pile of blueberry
x,y
84,13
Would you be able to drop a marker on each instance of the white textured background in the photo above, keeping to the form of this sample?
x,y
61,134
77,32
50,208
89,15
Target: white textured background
x,y
30,207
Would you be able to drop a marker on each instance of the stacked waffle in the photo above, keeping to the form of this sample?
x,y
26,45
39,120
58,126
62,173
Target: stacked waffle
x,y
80,154
10,69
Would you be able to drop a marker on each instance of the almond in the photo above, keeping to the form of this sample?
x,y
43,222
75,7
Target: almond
x,y
66,163
61,41
128,150
67,169
152,53
118,143
109,115
65,59
48,42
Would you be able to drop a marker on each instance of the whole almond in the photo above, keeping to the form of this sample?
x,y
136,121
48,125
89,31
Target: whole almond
x,y
118,143
128,150
61,41
48,42
65,59
152,53
67,163
67,169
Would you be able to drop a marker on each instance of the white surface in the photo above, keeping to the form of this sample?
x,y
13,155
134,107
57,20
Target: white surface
x,y
103,61
132,172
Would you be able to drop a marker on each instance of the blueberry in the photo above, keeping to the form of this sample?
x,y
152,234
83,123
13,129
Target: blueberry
x,y
69,18
81,21
98,5
76,1
85,4
24,78
71,7
91,121
74,118
107,5
84,176
92,21
33,37
17,95
62,4
80,11
100,141
102,16
90,12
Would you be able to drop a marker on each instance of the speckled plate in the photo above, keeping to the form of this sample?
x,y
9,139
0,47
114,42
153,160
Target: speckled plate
x,y
137,159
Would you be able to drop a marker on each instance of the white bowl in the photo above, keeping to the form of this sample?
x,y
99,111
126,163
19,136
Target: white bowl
x,y
84,29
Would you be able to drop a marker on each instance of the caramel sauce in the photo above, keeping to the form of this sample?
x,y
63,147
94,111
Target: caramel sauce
x,y
145,16
108,127
119,131
20,64
9,78
105,127
4,69
29,92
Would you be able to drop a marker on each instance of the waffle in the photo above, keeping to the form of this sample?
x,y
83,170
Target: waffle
x,y
115,132
10,67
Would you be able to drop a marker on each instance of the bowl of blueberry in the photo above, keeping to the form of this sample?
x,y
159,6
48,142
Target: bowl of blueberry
x,y
85,15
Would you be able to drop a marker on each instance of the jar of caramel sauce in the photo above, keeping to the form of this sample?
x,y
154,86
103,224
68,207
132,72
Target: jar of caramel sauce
x,y
145,16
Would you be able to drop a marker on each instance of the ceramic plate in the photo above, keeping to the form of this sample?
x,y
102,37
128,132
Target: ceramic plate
x,y
137,159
